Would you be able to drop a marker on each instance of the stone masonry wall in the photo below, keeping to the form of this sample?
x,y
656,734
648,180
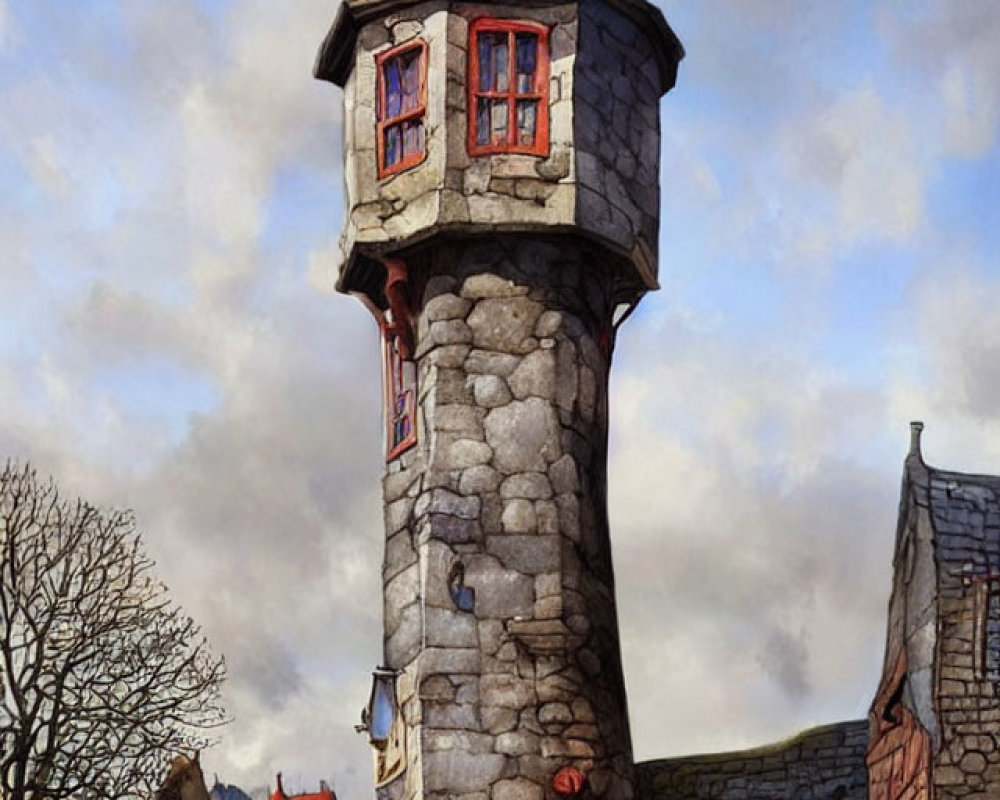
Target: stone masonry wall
x,y
965,513
617,129
505,495
449,188
601,173
825,763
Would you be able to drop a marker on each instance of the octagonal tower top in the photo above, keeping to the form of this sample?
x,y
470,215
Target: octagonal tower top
x,y
463,119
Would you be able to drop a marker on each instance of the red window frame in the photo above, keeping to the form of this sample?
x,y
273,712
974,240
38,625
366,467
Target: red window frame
x,y
399,384
418,112
540,90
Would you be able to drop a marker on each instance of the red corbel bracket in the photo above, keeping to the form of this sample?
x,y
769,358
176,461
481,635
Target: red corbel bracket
x,y
396,285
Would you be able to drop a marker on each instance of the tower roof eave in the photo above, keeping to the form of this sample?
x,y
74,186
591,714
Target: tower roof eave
x,y
336,55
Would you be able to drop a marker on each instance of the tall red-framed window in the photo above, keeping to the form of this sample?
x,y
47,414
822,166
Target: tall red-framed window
x,y
402,107
400,386
508,87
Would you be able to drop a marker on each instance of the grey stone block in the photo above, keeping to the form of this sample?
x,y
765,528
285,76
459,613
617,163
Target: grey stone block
x,y
490,363
531,555
524,435
490,391
517,789
530,485
456,771
479,480
505,324
535,376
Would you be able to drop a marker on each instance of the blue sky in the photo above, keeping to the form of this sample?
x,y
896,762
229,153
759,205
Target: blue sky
x,y
170,341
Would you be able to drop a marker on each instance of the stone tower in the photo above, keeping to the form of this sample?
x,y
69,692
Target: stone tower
x,y
502,164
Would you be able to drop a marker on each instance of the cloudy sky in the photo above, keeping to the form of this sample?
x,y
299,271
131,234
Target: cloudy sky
x,y
170,198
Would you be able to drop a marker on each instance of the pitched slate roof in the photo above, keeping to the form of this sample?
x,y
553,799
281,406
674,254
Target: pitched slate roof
x,y
964,511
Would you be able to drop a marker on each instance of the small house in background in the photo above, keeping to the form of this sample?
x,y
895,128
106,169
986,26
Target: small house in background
x,y
324,793
221,791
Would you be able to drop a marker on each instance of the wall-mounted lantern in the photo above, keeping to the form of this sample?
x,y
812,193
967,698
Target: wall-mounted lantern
x,y
382,719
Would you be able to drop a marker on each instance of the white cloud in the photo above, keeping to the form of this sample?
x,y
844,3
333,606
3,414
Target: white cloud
x,y
951,47
752,545
866,154
6,26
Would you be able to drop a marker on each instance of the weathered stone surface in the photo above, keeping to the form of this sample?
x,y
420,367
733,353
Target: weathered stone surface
x,y
448,356
501,593
449,331
547,516
548,324
459,419
488,285
449,715
555,712
464,453
441,501
517,789
524,435
479,480
505,324
563,475
535,376
505,691
447,306
450,661
529,485
490,391
517,743
455,771
518,516
465,740
437,687
497,719
446,628
530,555
401,591
403,644
490,363
397,515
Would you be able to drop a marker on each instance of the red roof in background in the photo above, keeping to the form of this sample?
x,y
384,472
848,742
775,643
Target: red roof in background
x,y
323,794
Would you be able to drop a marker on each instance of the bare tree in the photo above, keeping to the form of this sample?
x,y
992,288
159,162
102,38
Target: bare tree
x,y
102,678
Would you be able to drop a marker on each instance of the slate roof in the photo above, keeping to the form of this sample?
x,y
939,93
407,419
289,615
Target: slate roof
x,y
964,511
336,55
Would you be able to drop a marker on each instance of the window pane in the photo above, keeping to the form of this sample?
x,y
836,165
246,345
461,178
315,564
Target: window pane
x,y
393,89
393,145
491,121
493,62
498,121
410,66
413,138
482,121
527,60
527,114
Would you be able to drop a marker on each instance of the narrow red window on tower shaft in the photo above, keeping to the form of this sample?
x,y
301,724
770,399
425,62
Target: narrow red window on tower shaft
x,y
402,106
508,87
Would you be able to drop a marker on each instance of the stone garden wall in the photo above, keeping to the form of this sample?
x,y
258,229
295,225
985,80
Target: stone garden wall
x,y
825,763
